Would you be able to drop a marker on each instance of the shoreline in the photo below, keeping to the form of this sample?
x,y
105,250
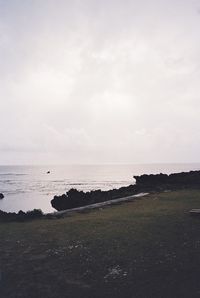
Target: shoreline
x,y
144,183
75,200
96,205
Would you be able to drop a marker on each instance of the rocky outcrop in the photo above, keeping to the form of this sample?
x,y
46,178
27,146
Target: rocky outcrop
x,y
74,198
159,182
144,183
1,196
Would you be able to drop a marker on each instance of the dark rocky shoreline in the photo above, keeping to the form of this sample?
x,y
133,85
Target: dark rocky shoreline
x,y
159,182
74,198
20,216
144,183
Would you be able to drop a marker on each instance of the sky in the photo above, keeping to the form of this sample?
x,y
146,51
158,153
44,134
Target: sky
x,y
95,82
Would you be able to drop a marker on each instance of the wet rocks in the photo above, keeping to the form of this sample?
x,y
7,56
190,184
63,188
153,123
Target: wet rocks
x,y
1,196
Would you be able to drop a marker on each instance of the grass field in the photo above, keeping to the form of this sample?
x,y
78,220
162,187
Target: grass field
x,y
146,248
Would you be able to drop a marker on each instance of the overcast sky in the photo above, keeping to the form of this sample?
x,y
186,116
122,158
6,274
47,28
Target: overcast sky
x,y
92,81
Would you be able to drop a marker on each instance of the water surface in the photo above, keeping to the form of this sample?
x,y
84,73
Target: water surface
x,y
29,187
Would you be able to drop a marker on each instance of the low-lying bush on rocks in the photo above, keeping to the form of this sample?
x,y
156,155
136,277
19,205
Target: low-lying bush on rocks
x,y
20,216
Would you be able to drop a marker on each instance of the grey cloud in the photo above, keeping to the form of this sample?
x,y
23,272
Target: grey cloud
x,y
99,81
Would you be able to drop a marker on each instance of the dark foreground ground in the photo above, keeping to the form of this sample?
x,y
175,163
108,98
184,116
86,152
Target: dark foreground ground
x,y
146,248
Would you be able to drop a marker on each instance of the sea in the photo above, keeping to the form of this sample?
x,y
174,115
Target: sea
x,y
32,187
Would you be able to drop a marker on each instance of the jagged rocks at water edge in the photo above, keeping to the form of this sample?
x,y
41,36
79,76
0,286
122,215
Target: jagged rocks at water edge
x,y
144,183
1,196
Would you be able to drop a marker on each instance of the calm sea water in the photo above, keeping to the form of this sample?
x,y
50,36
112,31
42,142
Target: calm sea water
x,y
29,187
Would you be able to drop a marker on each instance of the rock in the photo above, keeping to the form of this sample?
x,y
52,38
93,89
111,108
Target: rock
x,y
1,196
75,198
144,183
162,182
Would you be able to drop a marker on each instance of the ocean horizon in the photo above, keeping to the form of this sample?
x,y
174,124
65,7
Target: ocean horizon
x,y
27,187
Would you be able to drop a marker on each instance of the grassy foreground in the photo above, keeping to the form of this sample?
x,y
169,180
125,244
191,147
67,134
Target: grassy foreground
x,y
146,248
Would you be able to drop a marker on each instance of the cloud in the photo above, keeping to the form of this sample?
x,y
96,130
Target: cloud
x,y
94,82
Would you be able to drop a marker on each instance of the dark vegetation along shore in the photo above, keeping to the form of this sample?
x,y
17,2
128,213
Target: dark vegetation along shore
x,y
144,183
21,215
